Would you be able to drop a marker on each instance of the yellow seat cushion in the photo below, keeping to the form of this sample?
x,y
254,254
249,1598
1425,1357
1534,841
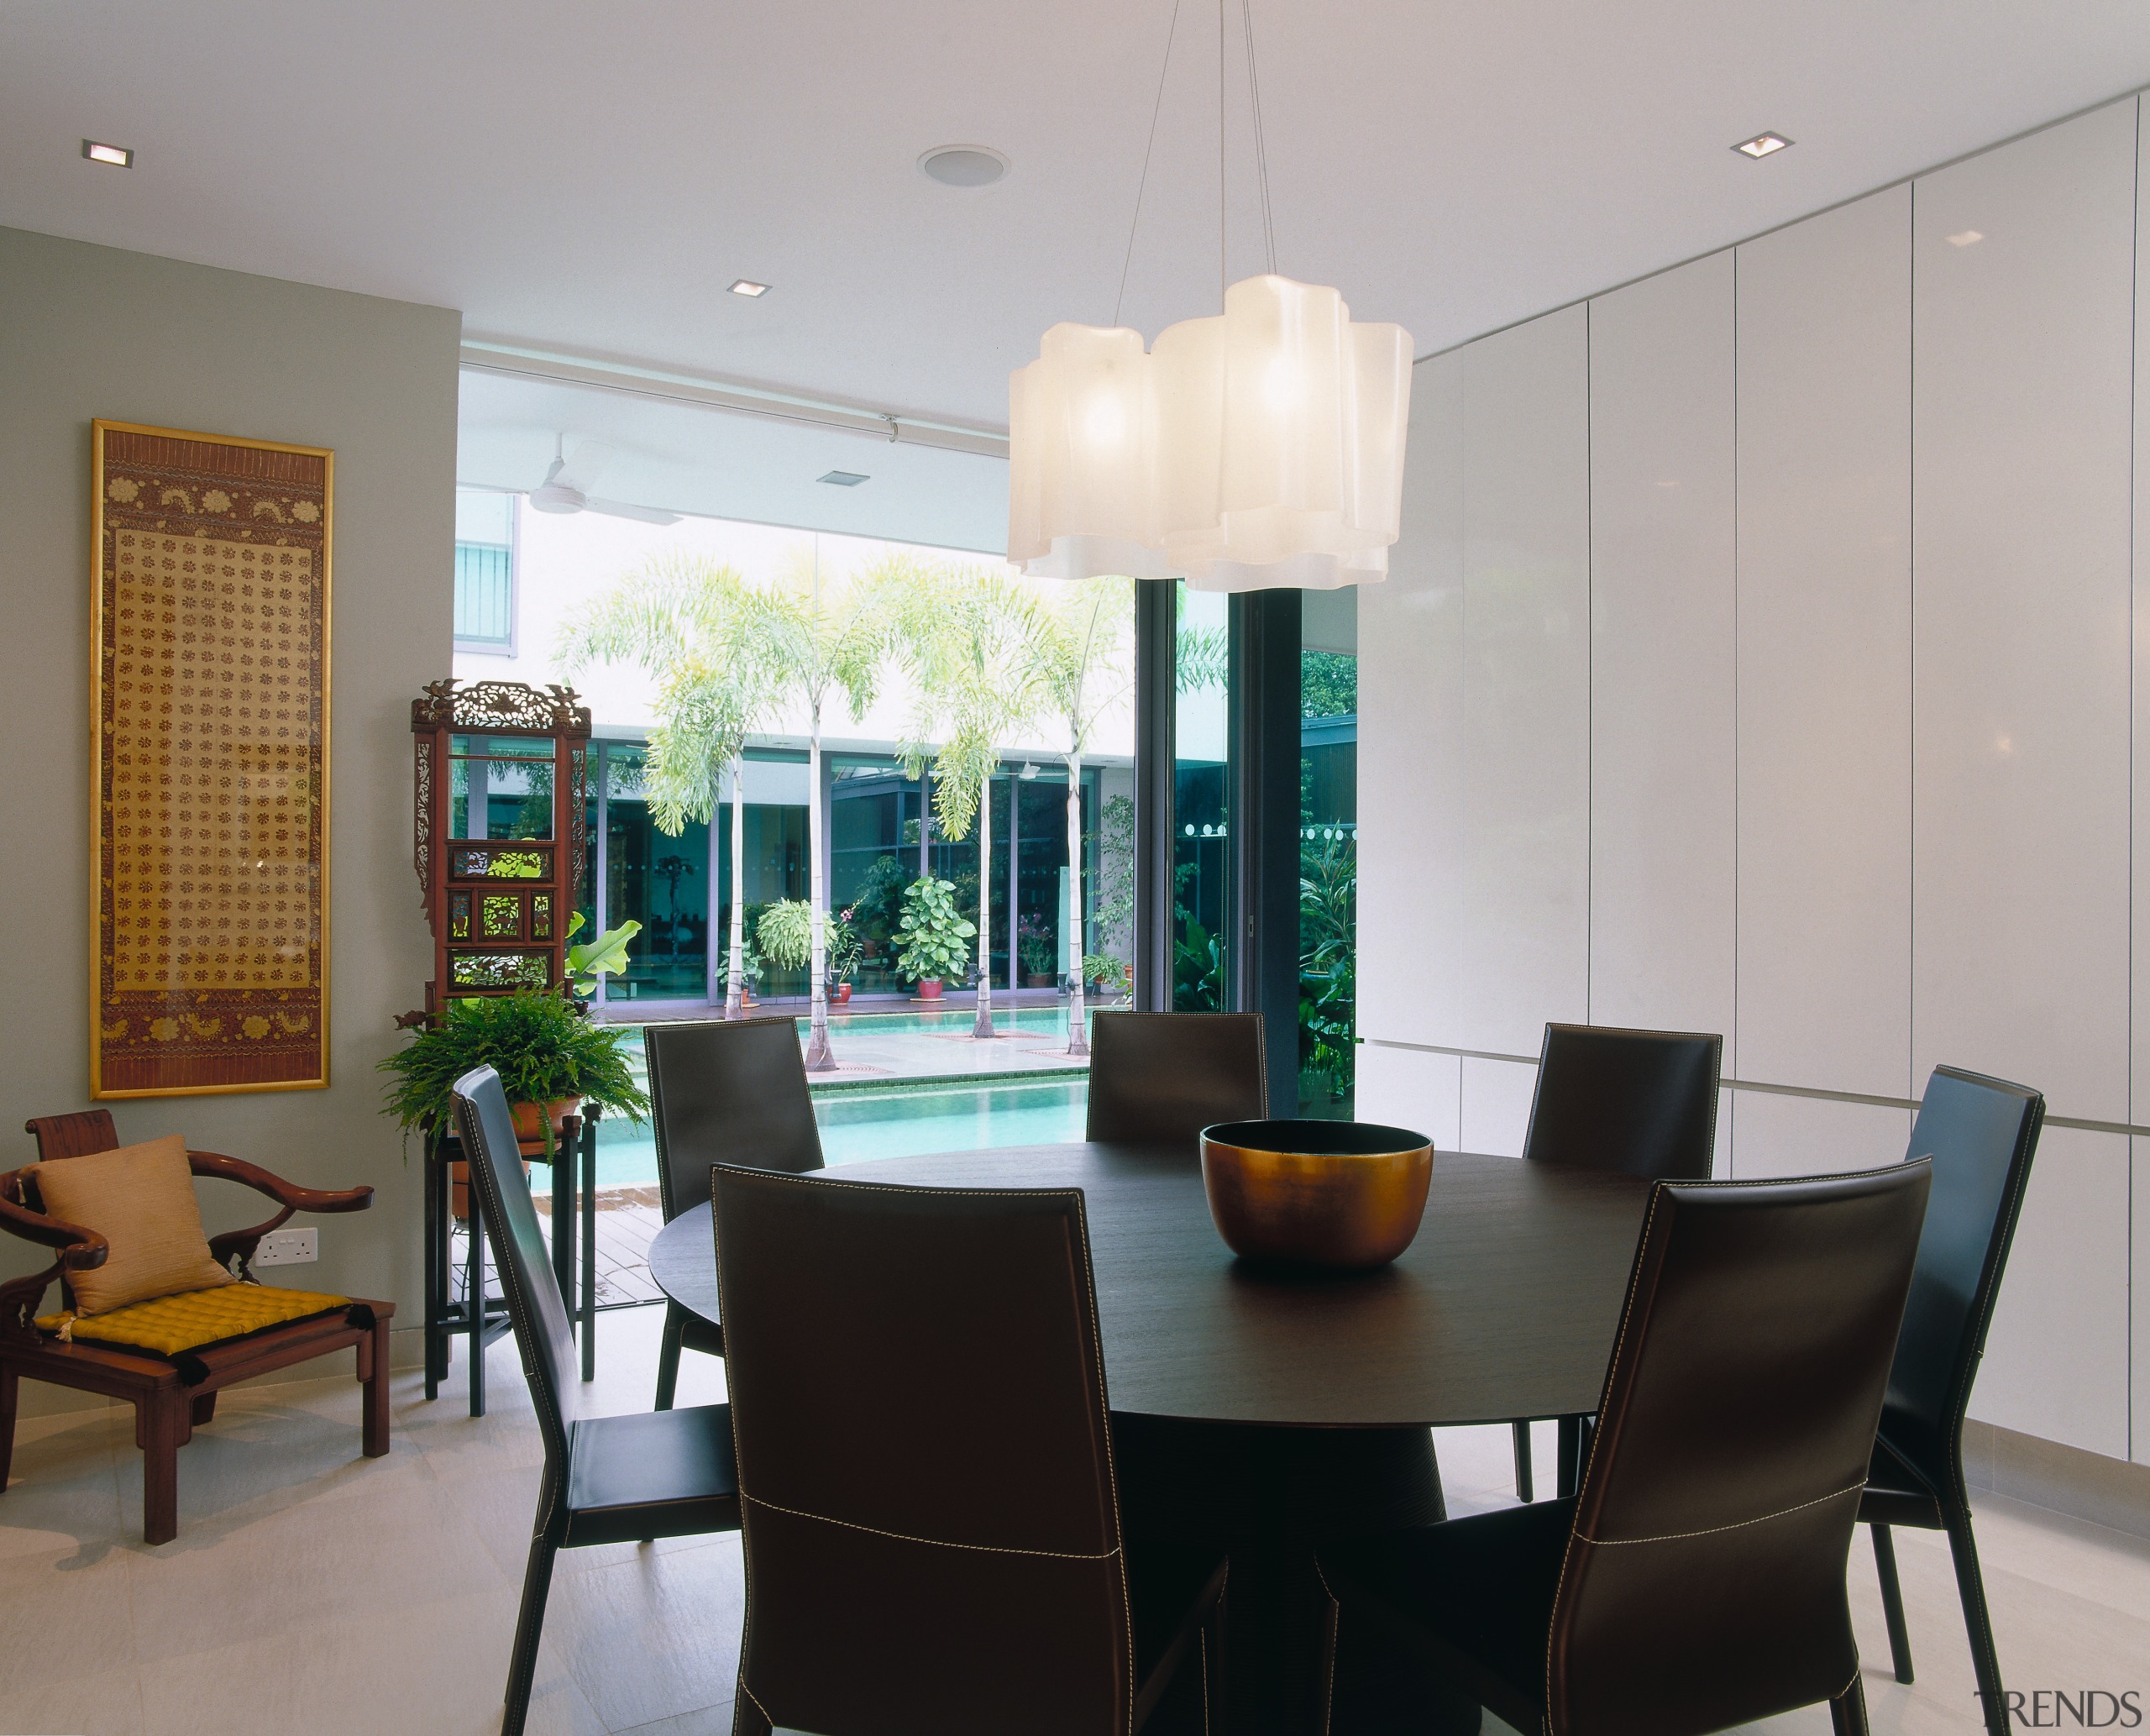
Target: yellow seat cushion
x,y
140,1198
171,1325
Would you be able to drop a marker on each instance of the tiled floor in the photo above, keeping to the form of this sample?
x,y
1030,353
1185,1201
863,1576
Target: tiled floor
x,y
312,1590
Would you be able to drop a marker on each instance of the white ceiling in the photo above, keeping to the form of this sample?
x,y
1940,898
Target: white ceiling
x,y
592,178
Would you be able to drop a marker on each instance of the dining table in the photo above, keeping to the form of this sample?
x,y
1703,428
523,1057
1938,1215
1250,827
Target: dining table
x,y
1271,1408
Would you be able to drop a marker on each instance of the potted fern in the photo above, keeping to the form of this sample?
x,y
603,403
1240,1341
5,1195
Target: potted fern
x,y
551,1058
932,938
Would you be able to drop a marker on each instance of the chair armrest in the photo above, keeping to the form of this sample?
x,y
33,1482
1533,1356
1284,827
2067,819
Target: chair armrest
x,y
288,1194
240,1244
81,1250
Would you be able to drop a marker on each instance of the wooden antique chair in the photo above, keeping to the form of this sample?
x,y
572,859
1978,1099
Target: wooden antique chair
x,y
202,1340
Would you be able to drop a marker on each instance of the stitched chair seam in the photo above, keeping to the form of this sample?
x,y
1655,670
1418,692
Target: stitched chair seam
x,y
987,1548
1857,1488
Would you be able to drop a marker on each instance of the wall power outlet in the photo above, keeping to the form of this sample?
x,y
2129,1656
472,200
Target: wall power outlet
x,y
288,1248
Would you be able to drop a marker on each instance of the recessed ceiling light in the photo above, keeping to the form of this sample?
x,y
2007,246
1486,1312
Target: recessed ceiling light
x,y
746,286
845,479
118,156
1964,238
1762,145
963,165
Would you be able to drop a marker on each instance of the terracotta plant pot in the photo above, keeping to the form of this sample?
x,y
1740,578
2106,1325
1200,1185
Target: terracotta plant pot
x,y
1037,979
929,988
530,1139
843,993
458,1187
530,1122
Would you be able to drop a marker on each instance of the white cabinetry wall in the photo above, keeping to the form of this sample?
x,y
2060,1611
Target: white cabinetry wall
x,y
1759,658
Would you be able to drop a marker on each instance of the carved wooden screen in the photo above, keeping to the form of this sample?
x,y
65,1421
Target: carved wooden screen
x,y
503,775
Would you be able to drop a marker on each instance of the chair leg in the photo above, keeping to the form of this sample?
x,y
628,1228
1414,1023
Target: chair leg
x,y
529,1624
373,1376
10,1390
1213,1663
1847,1710
204,1409
474,1291
1892,1602
1524,1490
161,1424
1971,1586
668,1356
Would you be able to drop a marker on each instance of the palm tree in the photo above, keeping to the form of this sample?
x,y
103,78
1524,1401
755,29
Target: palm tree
x,y
1085,675
970,639
691,623
819,638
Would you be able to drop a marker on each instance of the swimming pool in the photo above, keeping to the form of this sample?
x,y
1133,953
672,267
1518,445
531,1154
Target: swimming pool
x,y
1042,1022
897,1121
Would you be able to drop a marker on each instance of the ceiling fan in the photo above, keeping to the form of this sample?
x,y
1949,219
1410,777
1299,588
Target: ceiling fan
x,y
566,487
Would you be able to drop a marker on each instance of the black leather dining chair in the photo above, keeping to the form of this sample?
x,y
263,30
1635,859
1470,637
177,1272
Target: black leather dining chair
x,y
1981,1134
729,1092
1643,1102
1164,1076
1697,1581
606,1479
933,1541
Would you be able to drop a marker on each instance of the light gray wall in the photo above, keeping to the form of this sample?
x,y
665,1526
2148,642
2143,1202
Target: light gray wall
x,y
1762,655
88,332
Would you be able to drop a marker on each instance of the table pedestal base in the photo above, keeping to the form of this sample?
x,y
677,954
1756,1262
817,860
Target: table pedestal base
x,y
1269,1497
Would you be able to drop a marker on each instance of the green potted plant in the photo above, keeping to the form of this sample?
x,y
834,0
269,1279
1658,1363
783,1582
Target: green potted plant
x,y
845,949
1105,974
551,1058
932,937
1033,947
785,933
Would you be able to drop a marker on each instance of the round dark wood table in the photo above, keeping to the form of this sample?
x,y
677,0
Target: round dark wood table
x,y
1505,1306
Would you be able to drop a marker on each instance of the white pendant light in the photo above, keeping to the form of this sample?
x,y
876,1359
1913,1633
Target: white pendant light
x,y
1262,447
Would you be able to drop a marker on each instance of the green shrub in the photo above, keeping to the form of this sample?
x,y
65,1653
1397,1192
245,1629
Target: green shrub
x,y
932,936
786,933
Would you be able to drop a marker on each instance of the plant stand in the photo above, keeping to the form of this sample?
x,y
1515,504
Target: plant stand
x,y
481,1318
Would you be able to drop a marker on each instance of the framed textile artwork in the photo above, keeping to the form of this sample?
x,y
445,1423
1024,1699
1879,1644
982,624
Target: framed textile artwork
x,y
210,713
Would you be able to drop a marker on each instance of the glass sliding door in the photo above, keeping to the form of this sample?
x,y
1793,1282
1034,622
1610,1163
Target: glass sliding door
x,y
662,882
1328,851
1201,864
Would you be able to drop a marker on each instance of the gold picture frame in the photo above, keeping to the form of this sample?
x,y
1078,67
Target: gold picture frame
x,y
210,620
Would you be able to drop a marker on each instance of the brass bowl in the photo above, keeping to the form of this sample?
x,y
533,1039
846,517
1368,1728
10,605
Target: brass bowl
x,y
1340,1195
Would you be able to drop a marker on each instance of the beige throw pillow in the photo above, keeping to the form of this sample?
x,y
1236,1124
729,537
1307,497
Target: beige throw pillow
x,y
140,1198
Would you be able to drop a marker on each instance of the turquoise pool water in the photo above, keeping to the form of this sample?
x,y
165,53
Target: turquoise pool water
x,y
897,1121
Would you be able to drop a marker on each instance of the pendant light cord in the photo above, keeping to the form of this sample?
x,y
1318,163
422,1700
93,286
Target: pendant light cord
x,y
1261,146
1261,156
1141,187
1224,276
